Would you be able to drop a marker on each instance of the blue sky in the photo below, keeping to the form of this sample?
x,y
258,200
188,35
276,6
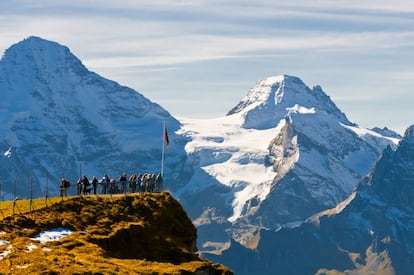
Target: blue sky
x,y
199,58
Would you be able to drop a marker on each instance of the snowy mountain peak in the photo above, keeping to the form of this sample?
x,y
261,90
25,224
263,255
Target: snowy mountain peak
x,y
35,43
42,56
36,46
272,98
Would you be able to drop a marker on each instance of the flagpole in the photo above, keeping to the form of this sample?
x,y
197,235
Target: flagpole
x,y
163,151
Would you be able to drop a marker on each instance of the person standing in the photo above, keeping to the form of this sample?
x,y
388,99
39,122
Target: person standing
x,y
64,185
94,184
122,180
85,182
105,184
133,183
79,186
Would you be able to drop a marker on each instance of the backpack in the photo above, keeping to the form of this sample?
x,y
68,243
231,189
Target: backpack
x,y
66,184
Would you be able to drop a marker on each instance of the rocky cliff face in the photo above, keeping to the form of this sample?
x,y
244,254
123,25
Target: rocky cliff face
x,y
369,232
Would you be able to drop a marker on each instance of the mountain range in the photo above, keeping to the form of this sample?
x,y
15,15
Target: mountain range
x,y
368,233
299,157
270,170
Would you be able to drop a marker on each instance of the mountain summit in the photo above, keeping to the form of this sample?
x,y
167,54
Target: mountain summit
x,y
46,57
270,99
282,154
60,120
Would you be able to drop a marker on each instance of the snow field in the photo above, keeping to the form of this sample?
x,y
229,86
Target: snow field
x,y
234,156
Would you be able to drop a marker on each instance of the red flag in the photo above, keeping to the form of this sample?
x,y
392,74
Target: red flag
x,y
167,140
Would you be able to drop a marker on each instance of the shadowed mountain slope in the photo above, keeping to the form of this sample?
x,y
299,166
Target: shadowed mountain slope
x,y
368,233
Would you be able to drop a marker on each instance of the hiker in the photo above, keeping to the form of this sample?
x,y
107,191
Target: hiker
x,y
159,181
79,186
133,183
152,183
94,184
140,183
122,180
112,186
64,184
145,182
85,184
105,183
149,183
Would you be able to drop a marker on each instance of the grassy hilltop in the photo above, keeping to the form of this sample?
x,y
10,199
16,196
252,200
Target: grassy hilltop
x,y
146,233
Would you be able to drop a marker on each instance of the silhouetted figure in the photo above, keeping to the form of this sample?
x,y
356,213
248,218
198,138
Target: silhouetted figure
x,y
133,183
85,185
105,184
94,184
123,180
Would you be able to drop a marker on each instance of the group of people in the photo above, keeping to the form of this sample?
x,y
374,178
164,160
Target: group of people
x,y
135,183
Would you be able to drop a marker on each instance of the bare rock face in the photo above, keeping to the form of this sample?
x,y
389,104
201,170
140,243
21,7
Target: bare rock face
x,y
393,177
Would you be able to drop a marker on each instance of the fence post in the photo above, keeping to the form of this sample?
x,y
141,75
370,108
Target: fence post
x,y
31,195
47,191
14,199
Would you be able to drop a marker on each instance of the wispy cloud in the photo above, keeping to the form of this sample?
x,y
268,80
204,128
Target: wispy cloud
x,y
324,40
194,48
145,27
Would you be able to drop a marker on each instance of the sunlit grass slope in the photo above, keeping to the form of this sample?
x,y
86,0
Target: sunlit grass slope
x,y
134,234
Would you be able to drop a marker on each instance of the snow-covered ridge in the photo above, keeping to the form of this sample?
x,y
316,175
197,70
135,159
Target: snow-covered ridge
x,y
333,211
368,134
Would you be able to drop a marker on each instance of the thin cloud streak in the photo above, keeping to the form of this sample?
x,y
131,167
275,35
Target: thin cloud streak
x,y
347,46
195,48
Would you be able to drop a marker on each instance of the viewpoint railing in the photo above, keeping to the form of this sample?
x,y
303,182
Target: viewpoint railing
x,y
113,188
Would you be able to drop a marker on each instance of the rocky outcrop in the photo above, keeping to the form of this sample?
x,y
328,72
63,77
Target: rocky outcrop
x,y
128,233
